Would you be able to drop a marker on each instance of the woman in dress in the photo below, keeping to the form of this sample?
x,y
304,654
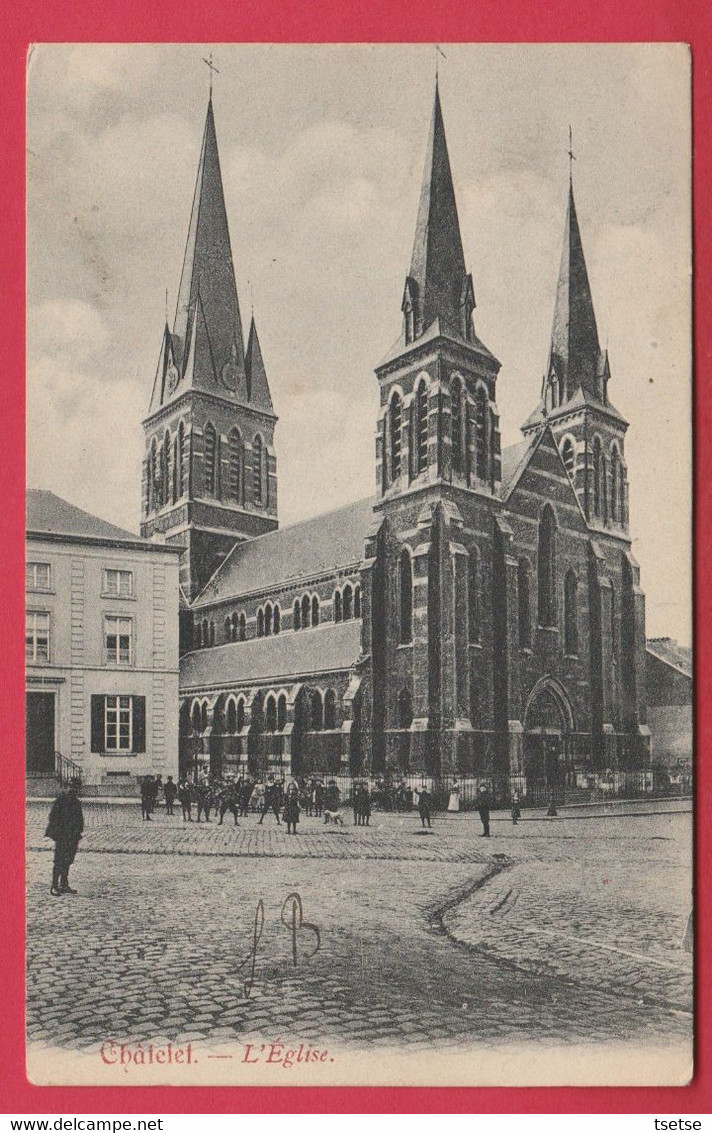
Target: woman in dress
x,y
291,808
454,803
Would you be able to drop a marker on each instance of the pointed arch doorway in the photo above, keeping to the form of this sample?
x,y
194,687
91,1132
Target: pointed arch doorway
x,y
548,728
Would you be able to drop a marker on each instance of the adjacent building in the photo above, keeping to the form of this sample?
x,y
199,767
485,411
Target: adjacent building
x,y
481,614
101,650
669,683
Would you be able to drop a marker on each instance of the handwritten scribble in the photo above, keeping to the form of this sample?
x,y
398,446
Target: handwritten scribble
x,y
296,924
257,930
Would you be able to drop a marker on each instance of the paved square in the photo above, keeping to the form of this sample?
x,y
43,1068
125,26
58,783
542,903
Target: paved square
x,y
556,931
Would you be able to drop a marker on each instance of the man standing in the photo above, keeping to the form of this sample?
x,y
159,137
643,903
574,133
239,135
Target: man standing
x,y
186,800
146,798
424,805
169,793
65,828
272,800
203,795
483,809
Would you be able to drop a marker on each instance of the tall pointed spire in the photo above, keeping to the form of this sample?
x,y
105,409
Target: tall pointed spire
x,y
575,354
257,386
209,277
438,285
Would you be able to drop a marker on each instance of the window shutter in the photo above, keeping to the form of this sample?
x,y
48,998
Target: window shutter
x,y
97,723
138,706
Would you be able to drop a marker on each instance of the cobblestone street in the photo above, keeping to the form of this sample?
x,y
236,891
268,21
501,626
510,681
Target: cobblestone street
x,y
554,932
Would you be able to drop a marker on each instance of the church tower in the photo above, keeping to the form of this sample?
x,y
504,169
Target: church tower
x,y
588,429
438,419
209,471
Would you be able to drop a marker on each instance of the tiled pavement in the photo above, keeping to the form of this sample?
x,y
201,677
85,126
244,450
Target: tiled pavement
x,y
416,943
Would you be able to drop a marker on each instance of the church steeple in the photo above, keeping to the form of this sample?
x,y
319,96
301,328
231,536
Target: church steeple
x,y
208,272
438,285
210,476
575,359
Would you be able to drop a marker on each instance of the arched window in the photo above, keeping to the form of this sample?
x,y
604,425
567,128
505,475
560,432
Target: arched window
x,y
270,714
405,708
240,714
181,459
211,460
242,631
260,622
231,716
176,470
482,425
276,620
228,629
204,716
167,467
330,710
546,567
235,464
153,479
621,492
396,420
357,602
212,633
567,455
268,619
196,717
348,602
338,606
257,489
570,613
474,604
315,610
596,476
233,628
296,615
456,423
205,638
406,597
317,712
281,712
421,428
306,610
604,489
524,604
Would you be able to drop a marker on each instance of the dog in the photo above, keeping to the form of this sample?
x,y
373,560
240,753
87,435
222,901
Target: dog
x,y
333,817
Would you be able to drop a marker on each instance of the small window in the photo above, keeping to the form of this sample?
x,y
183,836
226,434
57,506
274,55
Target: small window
x,y
271,715
117,638
242,627
257,483
276,620
37,636
231,717
421,428
211,462
296,615
317,712
118,583
281,712
306,611
570,614
260,622
567,455
456,423
357,602
396,417
315,610
330,710
338,606
38,576
348,602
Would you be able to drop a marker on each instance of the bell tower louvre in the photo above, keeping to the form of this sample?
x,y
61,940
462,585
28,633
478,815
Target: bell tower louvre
x,y
209,471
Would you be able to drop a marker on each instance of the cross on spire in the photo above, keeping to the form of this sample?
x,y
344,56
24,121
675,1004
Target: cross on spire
x,y
572,155
213,70
438,51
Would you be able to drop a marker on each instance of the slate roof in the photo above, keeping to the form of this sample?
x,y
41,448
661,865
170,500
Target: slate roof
x,y
49,514
667,649
302,551
514,457
328,648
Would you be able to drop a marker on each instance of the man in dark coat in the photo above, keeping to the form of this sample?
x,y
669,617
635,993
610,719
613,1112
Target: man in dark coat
x,y
204,797
272,800
147,788
228,800
246,790
186,800
169,793
425,803
483,809
65,827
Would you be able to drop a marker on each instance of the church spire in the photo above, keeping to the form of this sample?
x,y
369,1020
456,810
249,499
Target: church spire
x,y
208,280
575,360
438,286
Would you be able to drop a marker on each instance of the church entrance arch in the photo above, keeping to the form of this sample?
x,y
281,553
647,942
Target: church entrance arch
x,y
548,728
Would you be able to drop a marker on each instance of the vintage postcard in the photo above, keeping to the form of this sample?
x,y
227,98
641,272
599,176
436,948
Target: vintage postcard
x,y
358,632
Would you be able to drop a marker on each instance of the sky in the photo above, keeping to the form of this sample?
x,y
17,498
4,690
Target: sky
x,y
322,151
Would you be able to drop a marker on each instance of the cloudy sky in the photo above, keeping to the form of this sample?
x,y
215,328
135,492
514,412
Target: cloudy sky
x,y
322,151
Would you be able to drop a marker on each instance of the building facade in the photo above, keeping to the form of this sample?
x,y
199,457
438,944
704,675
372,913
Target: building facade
x,y
101,650
480,615
669,680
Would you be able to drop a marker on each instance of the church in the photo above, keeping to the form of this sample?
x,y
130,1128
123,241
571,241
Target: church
x,y
479,616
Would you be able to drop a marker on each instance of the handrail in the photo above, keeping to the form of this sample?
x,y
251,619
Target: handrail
x,y
66,769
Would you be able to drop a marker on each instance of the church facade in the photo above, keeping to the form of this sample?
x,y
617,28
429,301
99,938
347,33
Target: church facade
x,y
481,615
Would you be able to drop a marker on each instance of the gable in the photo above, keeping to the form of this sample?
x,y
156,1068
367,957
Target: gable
x,y
542,478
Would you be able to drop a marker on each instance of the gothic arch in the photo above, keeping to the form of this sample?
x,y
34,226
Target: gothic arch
x,y
568,454
395,433
420,425
546,567
457,419
549,687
